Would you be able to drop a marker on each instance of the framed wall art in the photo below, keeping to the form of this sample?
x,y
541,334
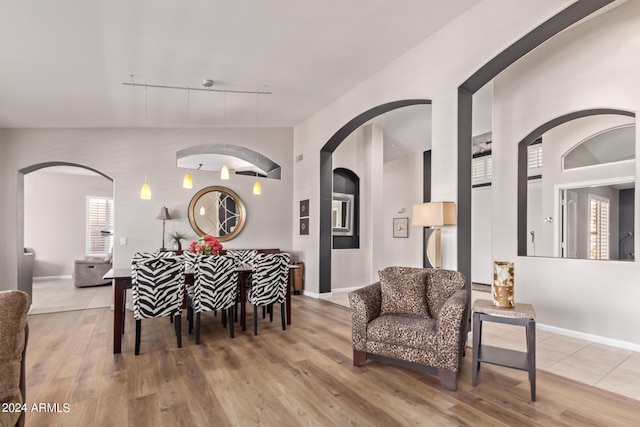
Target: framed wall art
x,y
401,227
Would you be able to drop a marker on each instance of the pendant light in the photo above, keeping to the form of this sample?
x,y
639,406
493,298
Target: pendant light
x,y
257,188
224,172
145,191
187,181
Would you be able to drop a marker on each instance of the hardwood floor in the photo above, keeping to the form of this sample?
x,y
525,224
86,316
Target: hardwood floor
x,y
301,376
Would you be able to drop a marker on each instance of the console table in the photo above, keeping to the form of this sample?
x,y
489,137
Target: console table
x,y
521,315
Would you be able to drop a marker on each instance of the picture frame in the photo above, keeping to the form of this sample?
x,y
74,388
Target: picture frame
x,y
304,208
304,226
401,227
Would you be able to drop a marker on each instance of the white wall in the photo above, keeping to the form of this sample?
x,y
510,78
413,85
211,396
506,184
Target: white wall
x,y
126,155
432,70
55,218
593,65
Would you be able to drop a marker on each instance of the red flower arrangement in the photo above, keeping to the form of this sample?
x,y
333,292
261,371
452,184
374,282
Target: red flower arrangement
x,y
206,245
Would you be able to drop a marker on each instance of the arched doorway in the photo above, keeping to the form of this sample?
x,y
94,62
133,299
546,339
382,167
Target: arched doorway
x,y
326,178
48,219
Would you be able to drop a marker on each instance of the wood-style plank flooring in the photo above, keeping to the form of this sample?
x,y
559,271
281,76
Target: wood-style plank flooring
x,y
301,376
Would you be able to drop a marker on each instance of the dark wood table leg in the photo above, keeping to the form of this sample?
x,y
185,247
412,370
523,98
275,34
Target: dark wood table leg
x,y
477,338
531,356
118,314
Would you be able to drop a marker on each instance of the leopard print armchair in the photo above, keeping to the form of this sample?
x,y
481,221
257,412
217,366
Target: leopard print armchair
x,y
413,317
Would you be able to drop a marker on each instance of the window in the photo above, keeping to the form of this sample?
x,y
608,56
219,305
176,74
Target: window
x,y
598,227
534,160
481,169
100,226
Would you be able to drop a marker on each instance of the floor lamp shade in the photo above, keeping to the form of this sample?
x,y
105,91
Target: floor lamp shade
x,y
434,215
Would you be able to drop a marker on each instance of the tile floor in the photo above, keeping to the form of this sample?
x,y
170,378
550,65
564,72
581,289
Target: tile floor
x,y
609,368
51,296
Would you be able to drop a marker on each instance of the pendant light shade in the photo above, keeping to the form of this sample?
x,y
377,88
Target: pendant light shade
x,y
187,182
145,191
224,173
257,188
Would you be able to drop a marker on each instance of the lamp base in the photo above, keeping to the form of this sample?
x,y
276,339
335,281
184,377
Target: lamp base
x,y
432,253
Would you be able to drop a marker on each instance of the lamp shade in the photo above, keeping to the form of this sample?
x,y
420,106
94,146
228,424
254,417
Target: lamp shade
x,y
145,192
433,214
224,172
164,214
257,188
187,182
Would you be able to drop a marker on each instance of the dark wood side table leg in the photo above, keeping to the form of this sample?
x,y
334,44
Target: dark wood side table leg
x,y
531,356
118,315
477,334
288,298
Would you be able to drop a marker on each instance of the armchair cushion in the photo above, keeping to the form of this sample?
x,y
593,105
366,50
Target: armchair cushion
x,y
403,292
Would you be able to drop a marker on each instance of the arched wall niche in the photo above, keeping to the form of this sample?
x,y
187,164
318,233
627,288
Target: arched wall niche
x,y
24,270
326,180
524,144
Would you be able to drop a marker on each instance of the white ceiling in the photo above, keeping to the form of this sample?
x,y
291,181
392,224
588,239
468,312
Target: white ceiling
x,y
64,62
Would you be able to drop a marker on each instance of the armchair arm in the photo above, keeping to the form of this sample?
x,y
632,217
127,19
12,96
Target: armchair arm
x,y
450,329
365,306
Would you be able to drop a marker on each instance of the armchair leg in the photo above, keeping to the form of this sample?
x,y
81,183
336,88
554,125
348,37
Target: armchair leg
x,y
359,357
255,319
447,378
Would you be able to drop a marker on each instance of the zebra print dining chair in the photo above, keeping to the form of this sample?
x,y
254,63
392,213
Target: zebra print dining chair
x,y
269,279
157,281
216,288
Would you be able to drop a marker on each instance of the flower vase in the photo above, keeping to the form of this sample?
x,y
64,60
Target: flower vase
x,y
177,246
503,283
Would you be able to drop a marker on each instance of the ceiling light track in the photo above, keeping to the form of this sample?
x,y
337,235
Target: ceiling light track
x,y
206,83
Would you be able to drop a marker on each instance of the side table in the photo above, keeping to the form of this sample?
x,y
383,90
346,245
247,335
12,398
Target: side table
x,y
520,314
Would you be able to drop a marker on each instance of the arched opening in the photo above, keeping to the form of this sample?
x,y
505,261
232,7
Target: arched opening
x,y
326,180
523,146
53,198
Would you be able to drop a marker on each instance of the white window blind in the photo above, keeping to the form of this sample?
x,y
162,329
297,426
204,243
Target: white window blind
x,y
100,224
482,168
534,158
598,227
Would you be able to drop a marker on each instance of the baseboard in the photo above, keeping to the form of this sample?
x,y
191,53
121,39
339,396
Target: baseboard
x,y
45,278
589,337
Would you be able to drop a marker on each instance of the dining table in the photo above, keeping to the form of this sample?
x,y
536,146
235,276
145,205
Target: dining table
x,y
121,280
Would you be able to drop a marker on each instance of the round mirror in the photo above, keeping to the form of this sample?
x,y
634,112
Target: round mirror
x,y
217,211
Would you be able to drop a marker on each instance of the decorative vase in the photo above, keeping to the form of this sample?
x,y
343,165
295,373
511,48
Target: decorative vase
x,y
503,282
177,246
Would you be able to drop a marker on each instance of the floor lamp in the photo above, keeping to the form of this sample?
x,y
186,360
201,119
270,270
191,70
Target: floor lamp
x,y
163,215
433,215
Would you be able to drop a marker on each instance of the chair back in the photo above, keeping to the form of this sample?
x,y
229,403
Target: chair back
x,y
158,287
441,285
141,256
216,283
269,279
242,256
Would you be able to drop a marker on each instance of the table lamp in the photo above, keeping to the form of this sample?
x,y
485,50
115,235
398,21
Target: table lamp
x,y
163,215
433,215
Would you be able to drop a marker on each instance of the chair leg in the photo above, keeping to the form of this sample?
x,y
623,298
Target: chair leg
x,y
283,314
178,319
264,311
231,322
190,318
270,312
224,318
197,328
138,327
255,319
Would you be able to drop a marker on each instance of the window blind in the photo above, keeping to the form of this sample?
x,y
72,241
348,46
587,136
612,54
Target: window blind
x,y
100,225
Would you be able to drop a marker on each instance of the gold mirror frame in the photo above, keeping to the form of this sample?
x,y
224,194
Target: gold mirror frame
x,y
204,227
